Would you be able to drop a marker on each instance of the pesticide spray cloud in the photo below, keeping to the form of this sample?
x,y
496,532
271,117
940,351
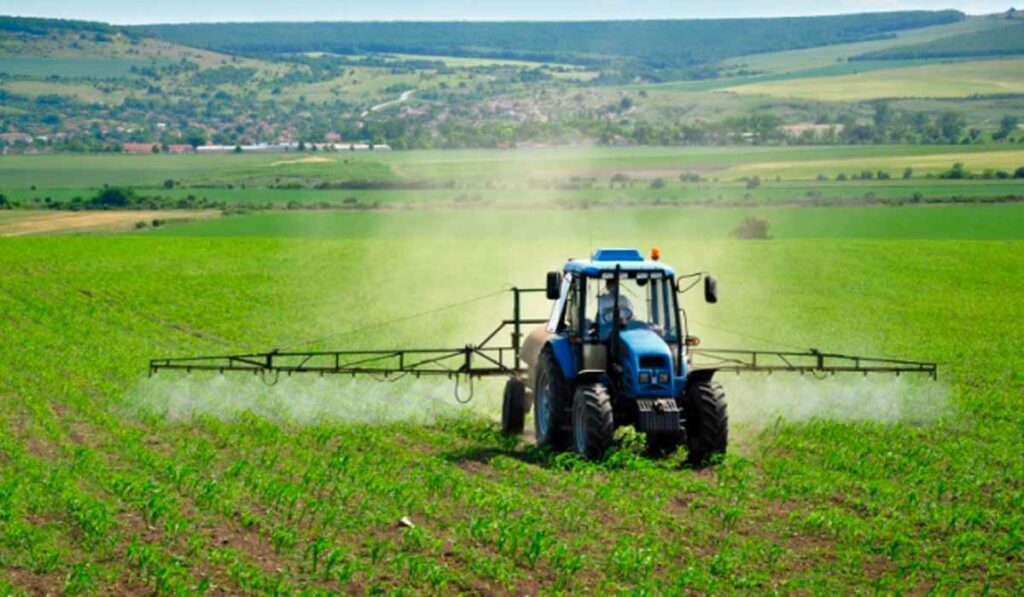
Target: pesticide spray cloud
x,y
308,400
760,399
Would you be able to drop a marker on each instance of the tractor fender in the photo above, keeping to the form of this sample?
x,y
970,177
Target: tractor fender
x,y
562,350
700,376
592,376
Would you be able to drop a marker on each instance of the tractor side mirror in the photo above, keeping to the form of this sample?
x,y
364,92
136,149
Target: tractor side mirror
x,y
554,288
710,289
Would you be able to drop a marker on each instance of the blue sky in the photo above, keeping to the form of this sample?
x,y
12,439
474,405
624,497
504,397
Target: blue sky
x,y
166,11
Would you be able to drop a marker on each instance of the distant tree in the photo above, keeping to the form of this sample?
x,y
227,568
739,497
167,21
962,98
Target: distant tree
x,y
156,148
908,173
658,183
883,116
169,183
195,137
302,145
754,182
957,172
238,149
751,228
4,203
1007,125
113,197
1019,172
951,126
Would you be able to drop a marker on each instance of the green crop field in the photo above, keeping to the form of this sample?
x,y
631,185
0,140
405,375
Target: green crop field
x,y
855,183
961,79
810,58
477,167
113,482
990,222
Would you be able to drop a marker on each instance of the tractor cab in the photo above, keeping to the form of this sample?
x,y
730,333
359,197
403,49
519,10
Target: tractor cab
x,y
613,353
618,285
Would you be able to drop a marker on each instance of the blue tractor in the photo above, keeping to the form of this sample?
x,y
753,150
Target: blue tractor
x,y
615,353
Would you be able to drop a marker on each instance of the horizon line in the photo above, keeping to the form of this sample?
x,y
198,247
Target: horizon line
x,y
501,20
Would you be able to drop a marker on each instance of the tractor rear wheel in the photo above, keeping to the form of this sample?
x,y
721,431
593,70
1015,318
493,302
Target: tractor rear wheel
x,y
707,422
513,407
593,422
551,406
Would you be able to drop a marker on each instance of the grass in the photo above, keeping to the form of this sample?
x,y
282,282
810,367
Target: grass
x,y
101,490
95,170
960,79
992,222
571,177
831,70
83,92
1006,160
673,194
474,166
43,67
811,58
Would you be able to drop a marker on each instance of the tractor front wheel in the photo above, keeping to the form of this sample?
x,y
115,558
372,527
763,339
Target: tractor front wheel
x,y
551,403
513,407
707,422
593,422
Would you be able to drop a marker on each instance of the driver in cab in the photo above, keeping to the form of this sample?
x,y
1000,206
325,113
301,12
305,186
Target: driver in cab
x,y
606,307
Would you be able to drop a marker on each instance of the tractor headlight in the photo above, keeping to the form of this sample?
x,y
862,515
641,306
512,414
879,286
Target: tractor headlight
x,y
645,377
663,377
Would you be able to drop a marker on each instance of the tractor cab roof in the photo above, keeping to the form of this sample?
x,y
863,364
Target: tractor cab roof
x,y
606,260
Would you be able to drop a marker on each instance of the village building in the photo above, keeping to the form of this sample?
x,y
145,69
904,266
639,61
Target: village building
x,y
15,137
137,148
808,128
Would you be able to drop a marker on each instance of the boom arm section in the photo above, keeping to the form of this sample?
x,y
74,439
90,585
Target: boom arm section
x,y
811,361
483,360
474,361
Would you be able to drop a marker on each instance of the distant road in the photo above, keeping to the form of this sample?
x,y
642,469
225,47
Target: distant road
x,y
405,95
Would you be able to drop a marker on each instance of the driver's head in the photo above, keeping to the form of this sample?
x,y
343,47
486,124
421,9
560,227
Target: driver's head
x,y
611,284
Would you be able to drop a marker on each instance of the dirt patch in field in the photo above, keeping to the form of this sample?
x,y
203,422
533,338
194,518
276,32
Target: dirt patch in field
x,y
58,222
50,583
313,159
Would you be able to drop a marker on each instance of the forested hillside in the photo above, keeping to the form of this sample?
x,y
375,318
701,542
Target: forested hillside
x,y
1005,41
663,43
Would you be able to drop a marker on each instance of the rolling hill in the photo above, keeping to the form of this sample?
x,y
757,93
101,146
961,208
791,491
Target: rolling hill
x,y
654,44
80,86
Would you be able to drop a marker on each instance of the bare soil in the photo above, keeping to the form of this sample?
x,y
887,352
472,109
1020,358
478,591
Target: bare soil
x,y
58,222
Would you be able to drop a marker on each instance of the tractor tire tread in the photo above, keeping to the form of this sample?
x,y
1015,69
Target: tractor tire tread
x,y
513,407
592,406
707,422
561,432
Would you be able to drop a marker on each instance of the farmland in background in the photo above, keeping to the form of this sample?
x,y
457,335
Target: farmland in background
x,y
712,173
962,79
